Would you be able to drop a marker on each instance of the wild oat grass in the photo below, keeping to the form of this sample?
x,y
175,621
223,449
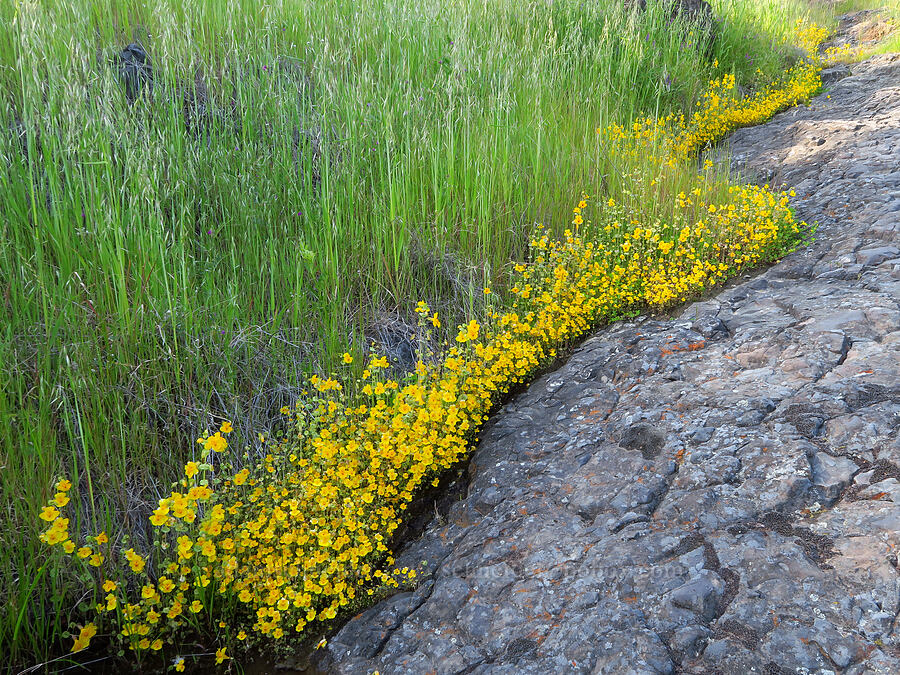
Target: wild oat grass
x,y
297,174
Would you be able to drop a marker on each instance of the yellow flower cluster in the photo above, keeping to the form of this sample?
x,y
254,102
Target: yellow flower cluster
x,y
675,138
84,637
304,534
809,35
657,264
148,607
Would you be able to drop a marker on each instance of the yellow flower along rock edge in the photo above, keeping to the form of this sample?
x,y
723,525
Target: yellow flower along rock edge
x,y
264,551
675,138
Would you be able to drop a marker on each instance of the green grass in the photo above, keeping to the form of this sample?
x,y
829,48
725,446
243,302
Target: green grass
x,y
303,174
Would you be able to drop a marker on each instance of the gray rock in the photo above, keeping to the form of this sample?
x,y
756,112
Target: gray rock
x,y
876,255
135,70
690,641
886,489
702,434
864,478
641,652
833,474
700,595
834,74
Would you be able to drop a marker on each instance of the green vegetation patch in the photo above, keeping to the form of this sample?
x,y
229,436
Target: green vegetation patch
x,y
205,203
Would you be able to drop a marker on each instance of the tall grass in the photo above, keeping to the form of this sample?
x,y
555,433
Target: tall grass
x,y
300,176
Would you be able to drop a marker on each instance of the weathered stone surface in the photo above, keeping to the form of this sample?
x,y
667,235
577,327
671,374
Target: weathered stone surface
x,y
834,73
135,70
719,493
832,474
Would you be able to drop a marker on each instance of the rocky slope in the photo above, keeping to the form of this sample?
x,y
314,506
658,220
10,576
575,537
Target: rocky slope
x,y
719,493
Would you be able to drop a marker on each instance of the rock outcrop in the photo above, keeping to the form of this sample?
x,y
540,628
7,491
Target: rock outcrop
x,y
713,493
135,71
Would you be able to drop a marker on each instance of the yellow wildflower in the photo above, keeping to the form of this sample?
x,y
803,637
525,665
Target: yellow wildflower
x,y
49,513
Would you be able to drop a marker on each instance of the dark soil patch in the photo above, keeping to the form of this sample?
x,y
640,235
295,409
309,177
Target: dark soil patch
x,y
817,547
746,635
